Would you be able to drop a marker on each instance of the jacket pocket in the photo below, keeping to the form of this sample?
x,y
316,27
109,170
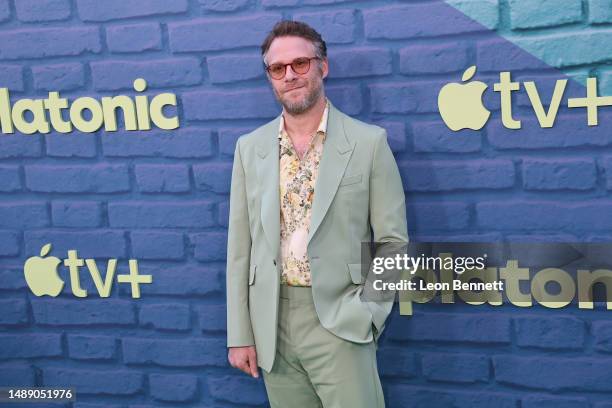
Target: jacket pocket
x,y
252,274
355,273
350,180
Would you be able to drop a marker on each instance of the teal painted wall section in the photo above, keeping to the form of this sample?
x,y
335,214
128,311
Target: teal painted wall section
x,y
572,35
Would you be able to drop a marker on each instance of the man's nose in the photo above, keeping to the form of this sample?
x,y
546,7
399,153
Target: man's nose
x,y
290,74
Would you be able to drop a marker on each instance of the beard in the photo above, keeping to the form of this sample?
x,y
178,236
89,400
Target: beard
x,y
303,105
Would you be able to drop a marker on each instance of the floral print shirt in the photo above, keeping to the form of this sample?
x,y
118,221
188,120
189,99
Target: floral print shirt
x,y
297,189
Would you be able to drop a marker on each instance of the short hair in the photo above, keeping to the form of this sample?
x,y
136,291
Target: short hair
x,y
285,28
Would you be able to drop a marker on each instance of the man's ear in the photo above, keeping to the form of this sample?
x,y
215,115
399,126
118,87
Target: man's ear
x,y
264,67
324,67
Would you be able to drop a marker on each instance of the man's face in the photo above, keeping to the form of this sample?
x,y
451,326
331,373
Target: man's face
x,y
296,92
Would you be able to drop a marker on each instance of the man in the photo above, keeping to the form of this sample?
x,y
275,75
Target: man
x,y
307,189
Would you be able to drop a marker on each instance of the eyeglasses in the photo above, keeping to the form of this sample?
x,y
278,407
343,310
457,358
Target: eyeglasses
x,y
299,66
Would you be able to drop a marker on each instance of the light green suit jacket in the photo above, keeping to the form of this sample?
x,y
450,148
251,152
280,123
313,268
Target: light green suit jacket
x,y
358,191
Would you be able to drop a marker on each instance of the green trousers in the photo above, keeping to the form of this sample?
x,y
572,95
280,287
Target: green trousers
x,y
315,368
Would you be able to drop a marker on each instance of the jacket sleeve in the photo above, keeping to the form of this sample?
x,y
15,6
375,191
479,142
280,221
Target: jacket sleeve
x,y
387,217
239,330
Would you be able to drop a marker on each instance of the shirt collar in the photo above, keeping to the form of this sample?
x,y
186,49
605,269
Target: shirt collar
x,y
322,124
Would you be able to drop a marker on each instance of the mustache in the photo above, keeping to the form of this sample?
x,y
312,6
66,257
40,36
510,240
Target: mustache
x,y
294,87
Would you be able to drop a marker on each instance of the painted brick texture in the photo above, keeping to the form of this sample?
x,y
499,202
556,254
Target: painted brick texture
x,y
162,197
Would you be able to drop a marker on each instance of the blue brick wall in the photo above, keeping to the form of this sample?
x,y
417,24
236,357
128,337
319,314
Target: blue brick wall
x,y
162,197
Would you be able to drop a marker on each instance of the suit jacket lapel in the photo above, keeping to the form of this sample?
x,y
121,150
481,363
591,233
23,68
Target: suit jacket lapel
x,y
268,178
336,153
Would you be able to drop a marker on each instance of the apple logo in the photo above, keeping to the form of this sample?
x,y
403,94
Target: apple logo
x,y
460,105
41,274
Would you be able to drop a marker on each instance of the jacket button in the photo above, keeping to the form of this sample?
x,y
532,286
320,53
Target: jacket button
x,y
274,261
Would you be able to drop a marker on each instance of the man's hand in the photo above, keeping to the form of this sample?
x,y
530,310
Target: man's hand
x,y
245,359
